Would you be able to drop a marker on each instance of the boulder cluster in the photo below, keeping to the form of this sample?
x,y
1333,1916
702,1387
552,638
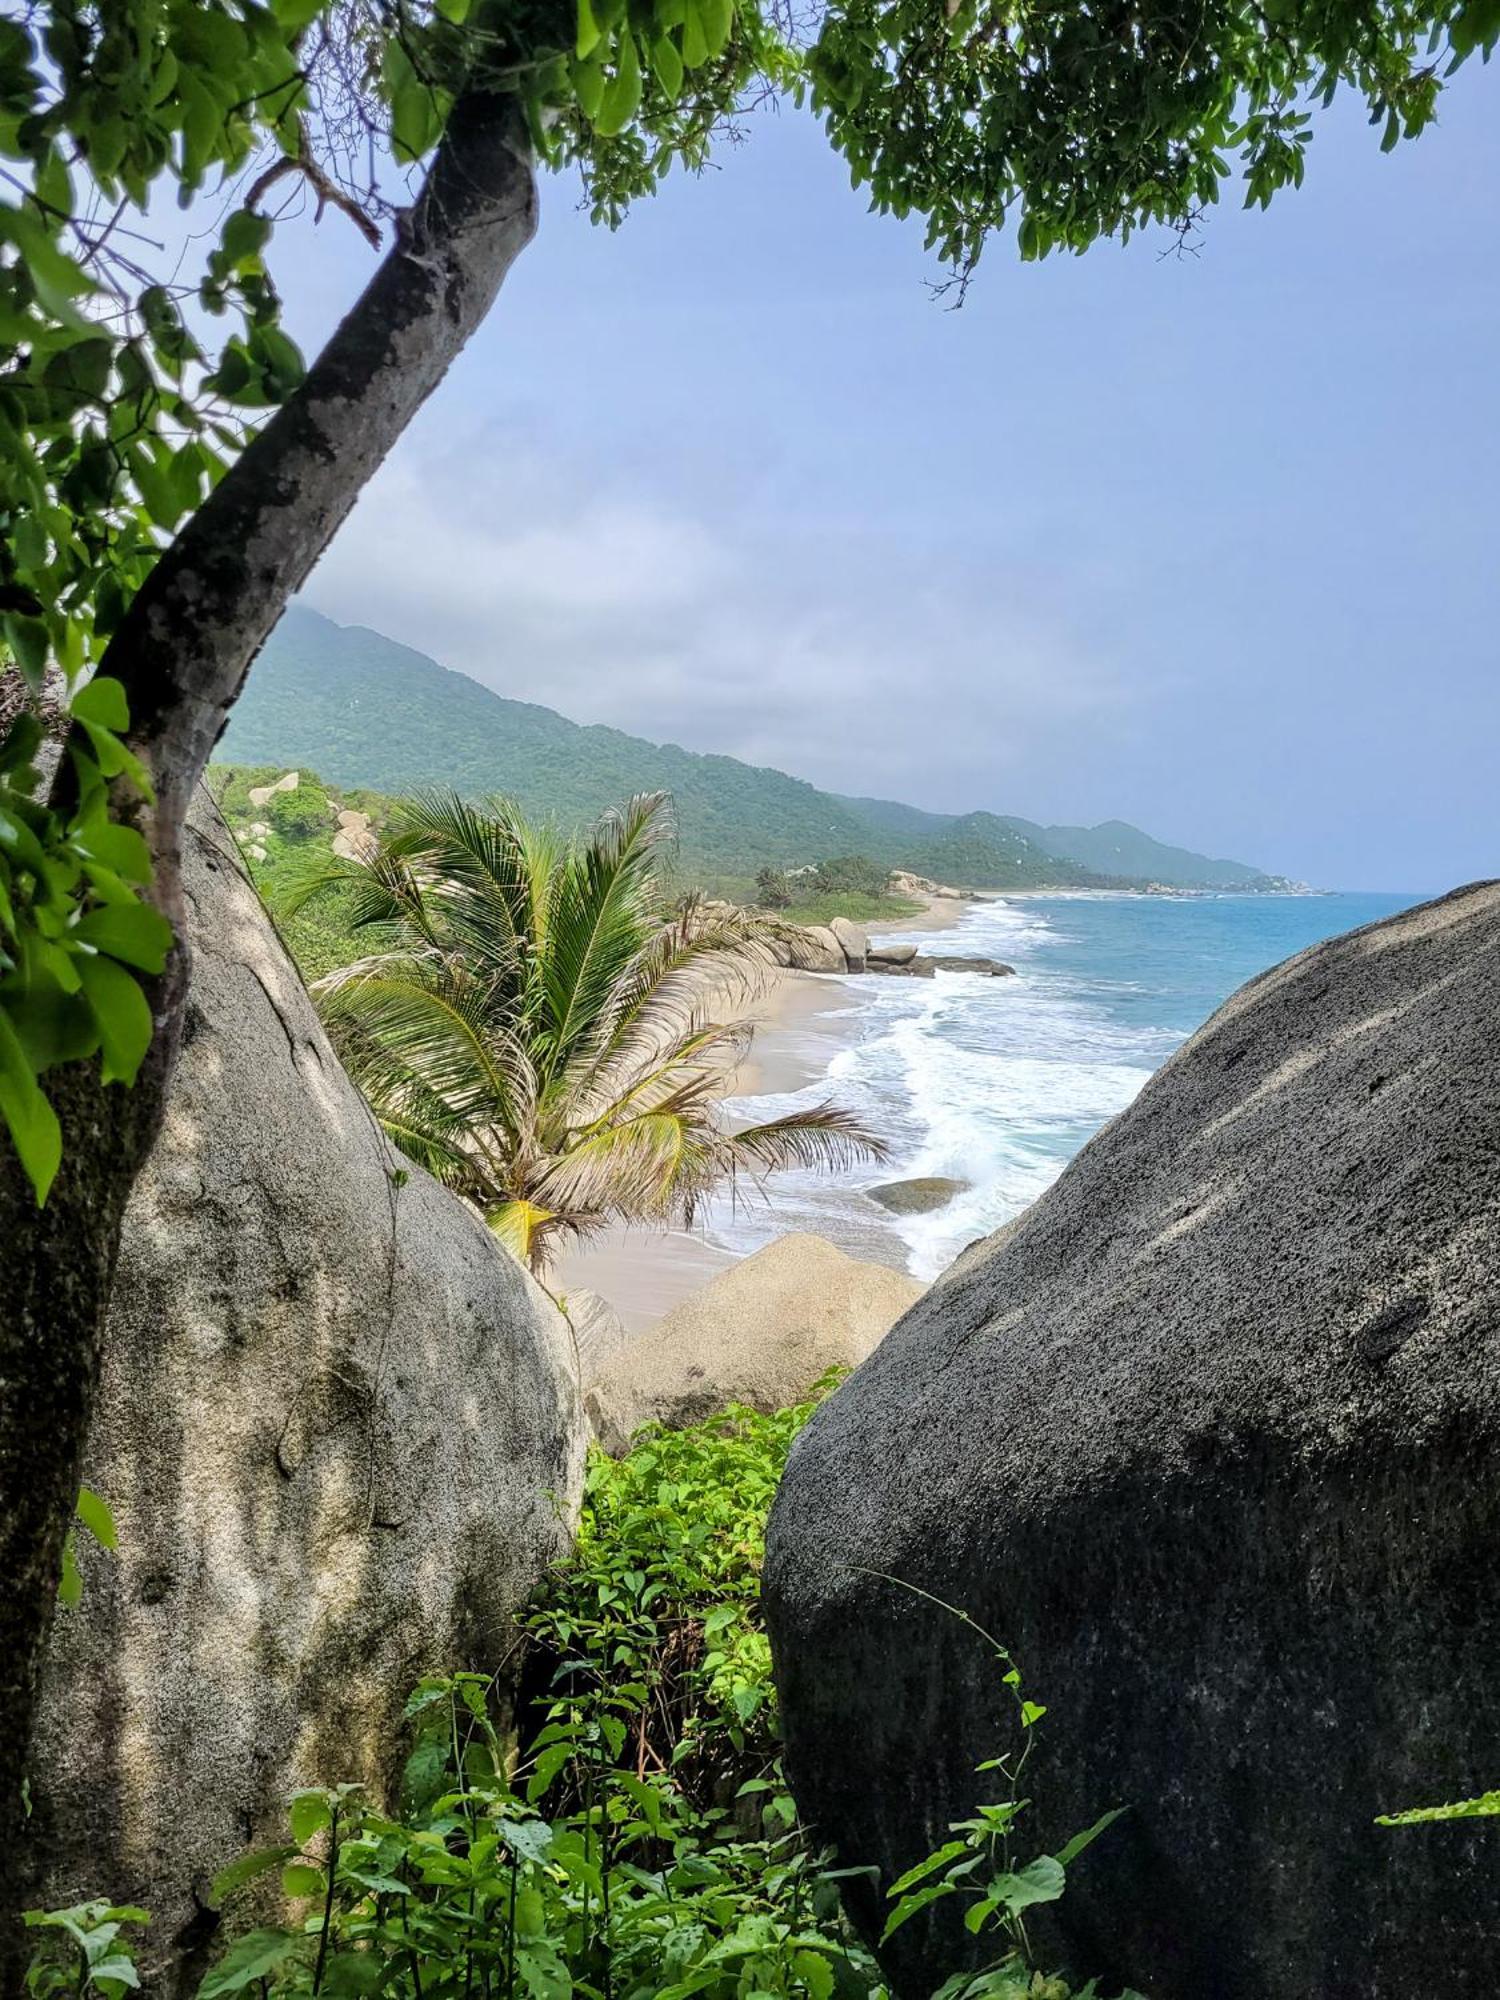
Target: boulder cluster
x,y
842,946
1207,1438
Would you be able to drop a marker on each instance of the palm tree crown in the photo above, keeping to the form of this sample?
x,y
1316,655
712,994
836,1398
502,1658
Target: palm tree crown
x,y
536,1024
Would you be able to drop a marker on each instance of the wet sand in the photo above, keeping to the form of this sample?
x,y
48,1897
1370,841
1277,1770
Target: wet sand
x,y
801,1021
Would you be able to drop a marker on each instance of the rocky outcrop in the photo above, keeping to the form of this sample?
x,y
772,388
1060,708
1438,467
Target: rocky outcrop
x,y
598,1331
340,1431
1208,1439
355,838
762,1333
918,1196
262,795
922,966
842,946
904,883
855,941
815,949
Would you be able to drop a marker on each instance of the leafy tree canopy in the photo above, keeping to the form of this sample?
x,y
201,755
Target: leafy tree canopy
x,y
130,378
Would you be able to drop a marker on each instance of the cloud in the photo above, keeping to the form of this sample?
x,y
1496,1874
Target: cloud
x,y
845,653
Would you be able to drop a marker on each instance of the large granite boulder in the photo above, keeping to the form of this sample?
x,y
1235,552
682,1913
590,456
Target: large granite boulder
x,y
1209,1438
893,951
763,1333
598,1330
854,939
340,1431
815,949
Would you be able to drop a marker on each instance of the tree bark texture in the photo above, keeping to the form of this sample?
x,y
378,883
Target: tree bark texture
x,y
183,651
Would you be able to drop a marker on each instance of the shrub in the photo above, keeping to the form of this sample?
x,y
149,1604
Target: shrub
x,y
854,874
772,889
641,1845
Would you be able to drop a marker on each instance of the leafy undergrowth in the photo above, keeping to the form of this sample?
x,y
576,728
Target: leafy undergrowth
x,y
853,904
644,1845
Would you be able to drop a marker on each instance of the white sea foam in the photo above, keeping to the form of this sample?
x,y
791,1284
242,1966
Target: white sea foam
x,y
990,1081
998,1082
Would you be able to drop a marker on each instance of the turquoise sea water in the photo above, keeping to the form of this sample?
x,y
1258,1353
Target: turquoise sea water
x,y
999,1082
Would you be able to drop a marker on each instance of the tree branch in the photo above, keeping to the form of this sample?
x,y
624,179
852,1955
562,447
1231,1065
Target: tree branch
x,y
190,635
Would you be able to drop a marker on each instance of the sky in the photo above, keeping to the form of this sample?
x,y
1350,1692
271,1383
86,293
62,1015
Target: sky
x,y
1204,542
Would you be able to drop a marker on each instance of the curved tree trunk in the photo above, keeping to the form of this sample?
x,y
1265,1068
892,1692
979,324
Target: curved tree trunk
x,y
183,651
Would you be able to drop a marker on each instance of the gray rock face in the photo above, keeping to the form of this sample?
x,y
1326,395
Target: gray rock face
x,y
340,1432
917,965
1208,1438
764,1332
598,1330
855,941
816,949
894,951
918,1196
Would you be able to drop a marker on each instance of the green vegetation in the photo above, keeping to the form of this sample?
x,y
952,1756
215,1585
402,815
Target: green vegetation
x,y
849,885
642,1844
155,519
75,932
1486,1806
850,903
367,712
535,1022
300,826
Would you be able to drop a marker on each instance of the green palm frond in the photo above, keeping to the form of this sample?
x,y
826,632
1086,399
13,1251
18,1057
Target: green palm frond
x,y
605,906
542,1032
640,1078
824,1136
438,1027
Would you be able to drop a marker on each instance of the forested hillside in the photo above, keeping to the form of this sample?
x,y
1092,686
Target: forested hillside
x,y
363,711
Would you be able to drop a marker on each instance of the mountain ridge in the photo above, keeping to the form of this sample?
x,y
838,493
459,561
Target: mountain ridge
x,y
366,711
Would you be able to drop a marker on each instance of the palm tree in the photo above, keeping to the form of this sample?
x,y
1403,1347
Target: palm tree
x,y
535,1026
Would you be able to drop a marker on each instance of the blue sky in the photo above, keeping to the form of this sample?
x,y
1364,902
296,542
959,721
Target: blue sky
x,y
1208,542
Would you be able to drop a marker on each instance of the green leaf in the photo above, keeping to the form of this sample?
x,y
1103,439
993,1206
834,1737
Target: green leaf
x,y
245,235
119,848
248,1867
102,701
249,1960
1040,1881
96,1517
918,1900
1080,1841
815,1972
301,1878
548,1764
29,1118
1486,1806
622,94
132,932
949,1851
123,1014
70,1583
83,368
588,87
310,1813
667,62
694,38
717,17
30,645
588,31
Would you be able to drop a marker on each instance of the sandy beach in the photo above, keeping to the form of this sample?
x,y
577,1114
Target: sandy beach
x,y
801,1020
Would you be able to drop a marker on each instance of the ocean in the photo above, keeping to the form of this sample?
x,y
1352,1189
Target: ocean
x,y
999,1082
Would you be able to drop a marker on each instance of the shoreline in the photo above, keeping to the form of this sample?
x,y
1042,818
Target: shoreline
x,y
799,1027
